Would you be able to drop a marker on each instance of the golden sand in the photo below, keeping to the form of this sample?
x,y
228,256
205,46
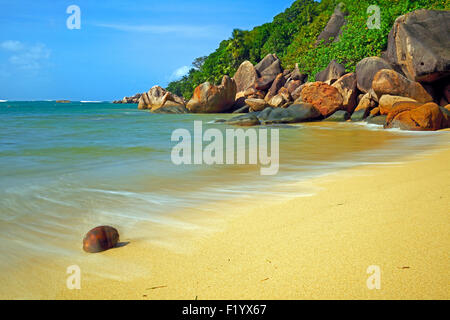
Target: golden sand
x,y
319,247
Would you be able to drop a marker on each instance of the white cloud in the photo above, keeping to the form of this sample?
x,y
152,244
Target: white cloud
x,y
180,72
184,30
12,45
26,57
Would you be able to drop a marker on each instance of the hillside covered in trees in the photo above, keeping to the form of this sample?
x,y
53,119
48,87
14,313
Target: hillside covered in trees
x,y
292,36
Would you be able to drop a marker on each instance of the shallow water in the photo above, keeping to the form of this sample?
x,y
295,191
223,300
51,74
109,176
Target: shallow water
x,y
65,168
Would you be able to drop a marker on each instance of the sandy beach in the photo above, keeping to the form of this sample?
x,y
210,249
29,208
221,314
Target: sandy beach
x,y
318,247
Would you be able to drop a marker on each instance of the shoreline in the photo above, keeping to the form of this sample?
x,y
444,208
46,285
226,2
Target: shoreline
x,y
315,247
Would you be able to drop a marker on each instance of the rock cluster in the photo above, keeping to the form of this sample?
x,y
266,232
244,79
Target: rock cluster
x,y
413,72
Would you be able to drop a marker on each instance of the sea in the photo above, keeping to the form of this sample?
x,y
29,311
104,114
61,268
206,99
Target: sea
x,y
68,167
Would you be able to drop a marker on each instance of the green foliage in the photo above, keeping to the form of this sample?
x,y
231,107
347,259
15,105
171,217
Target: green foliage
x,y
292,36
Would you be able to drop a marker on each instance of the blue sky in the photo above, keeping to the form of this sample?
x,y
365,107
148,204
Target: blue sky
x,y
123,47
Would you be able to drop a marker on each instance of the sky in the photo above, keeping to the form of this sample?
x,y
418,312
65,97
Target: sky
x,y
121,48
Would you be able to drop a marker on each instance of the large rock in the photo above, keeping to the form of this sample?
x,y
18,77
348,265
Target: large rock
x,y
269,67
296,94
100,239
366,103
378,120
388,81
264,83
333,28
256,104
323,96
293,114
209,98
281,100
387,102
158,97
346,85
245,76
419,44
292,85
245,120
333,71
366,70
339,116
266,62
415,117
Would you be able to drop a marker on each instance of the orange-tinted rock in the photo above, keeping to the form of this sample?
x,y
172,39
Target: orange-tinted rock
x,y
208,98
388,81
324,97
100,239
387,102
414,116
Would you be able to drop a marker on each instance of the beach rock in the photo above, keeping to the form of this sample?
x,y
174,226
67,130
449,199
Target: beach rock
x,y
281,100
334,71
264,83
333,28
272,71
266,63
360,115
415,116
245,77
209,98
346,85
100,239
158,97
292,114
366,103
323,96
387,102
366,70
297,75
171,108
339,116
292,85
245,120
256,104
393,83
296,94
277,84
378,120
419,44
250,93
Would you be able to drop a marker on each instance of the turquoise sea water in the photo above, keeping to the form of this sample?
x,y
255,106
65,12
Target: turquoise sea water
x,y
66,168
